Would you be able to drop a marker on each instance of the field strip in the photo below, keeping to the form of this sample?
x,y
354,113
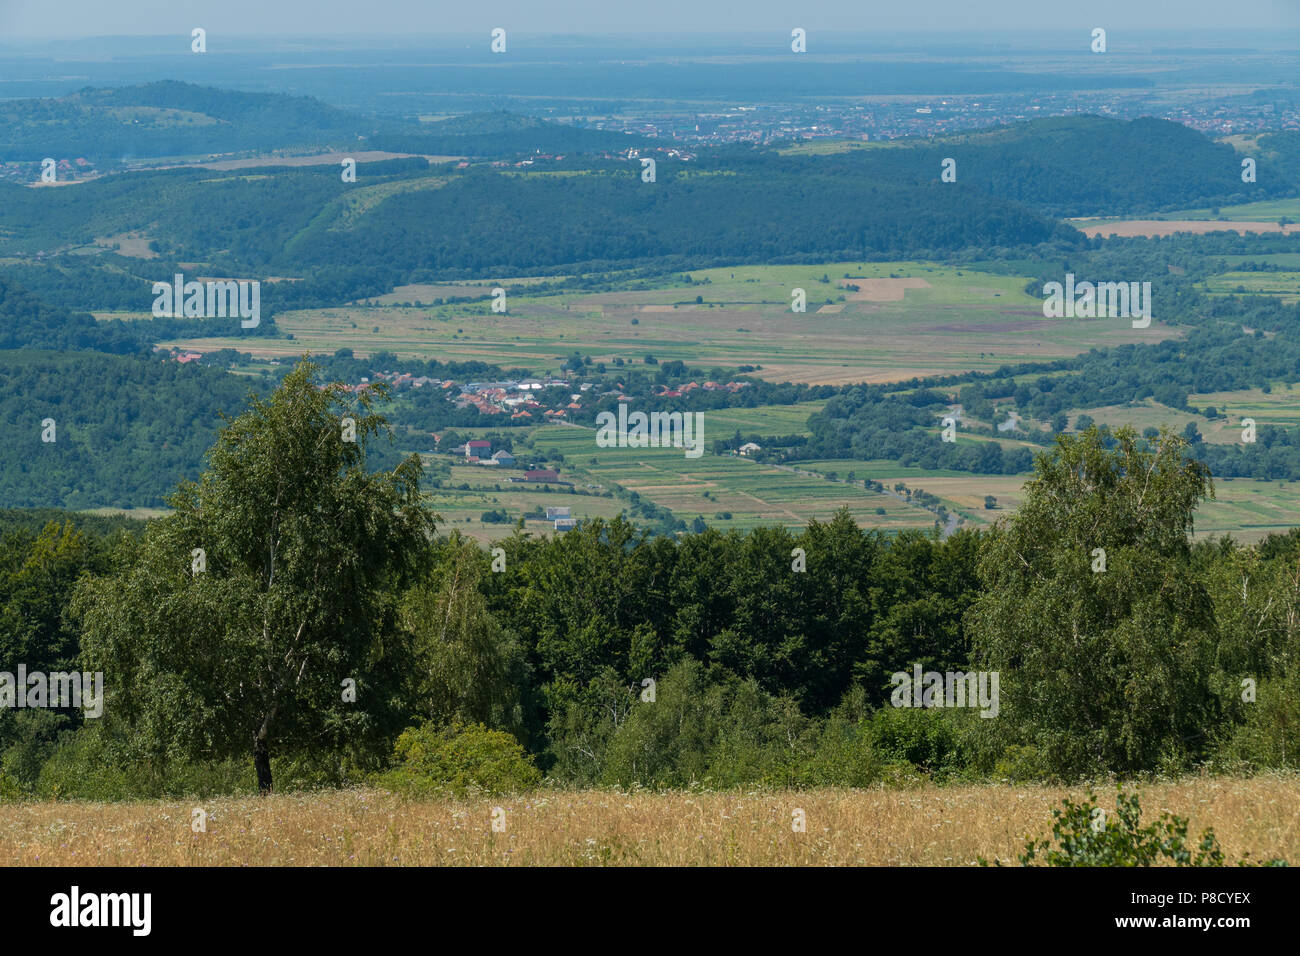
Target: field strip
x,y
918,825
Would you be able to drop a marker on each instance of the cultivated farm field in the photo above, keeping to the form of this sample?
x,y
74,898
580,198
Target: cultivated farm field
x,y
1284,285
905,319
753,493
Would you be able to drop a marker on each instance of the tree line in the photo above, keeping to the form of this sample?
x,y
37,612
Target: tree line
x,y
298,611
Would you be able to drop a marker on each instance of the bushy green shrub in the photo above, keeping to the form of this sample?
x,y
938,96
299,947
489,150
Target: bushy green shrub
x,y
1086,835
709,732
842,756
1020,763
673,741
89,764
709,728
932,741
1269,735
9,789
459,760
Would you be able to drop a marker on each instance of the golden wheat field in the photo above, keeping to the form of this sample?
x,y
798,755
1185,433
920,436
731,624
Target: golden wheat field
x,y
932,826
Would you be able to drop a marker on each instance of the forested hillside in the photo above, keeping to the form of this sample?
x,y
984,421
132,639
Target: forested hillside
x,y
1085,166
875,203
124,430
504,134
169,118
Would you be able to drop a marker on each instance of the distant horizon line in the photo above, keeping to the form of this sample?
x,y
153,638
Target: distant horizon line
x,y
702,33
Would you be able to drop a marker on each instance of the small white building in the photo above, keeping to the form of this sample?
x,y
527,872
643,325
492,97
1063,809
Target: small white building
x,y
749,448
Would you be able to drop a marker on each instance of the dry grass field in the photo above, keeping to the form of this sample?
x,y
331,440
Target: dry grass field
x,y
928,826
1152,228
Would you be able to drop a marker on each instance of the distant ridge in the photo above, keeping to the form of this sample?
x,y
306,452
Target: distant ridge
x,y
501,134
170,118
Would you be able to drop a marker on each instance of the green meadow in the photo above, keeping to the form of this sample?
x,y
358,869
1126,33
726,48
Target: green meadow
x,y
1266,211
902,320
1280,405
1285,285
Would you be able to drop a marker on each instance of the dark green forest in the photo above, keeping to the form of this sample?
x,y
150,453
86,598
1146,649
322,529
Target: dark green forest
x,y
105,125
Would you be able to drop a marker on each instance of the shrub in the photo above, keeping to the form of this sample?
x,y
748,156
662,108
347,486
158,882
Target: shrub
x,y
1088,836
92,763
9,789
1269,735
1019,763
929,740
702,731
842,758
459,760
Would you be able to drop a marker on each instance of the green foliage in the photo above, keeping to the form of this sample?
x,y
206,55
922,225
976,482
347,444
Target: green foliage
x,y
151,120
1086,835
93,763
707,728
302,549
1102,670
459,760
9,789
38,575
703,732
469,669
932,741
128,432
1268,735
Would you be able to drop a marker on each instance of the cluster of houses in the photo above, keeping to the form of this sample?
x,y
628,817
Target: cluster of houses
x,y
516,399
403,380
66,170
479,451
564,521
519,399
680,390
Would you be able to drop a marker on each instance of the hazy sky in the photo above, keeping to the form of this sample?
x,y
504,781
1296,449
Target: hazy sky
x,y
79,18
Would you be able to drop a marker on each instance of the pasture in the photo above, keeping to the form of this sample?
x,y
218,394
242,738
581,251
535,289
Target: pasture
x,y
1280,405
1151,414
1268,211
1248,509
904,319
1285,285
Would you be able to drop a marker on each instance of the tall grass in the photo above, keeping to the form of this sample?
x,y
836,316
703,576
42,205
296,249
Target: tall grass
x,y
926,825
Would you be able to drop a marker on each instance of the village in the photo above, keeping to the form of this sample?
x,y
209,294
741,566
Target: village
x,y
520,401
